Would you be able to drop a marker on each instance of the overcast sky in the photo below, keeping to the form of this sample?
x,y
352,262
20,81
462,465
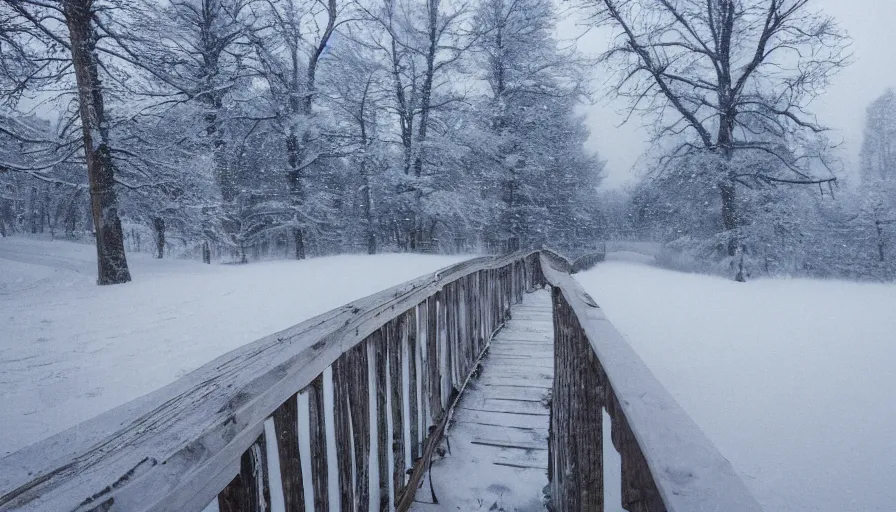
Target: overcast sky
x,y
842,107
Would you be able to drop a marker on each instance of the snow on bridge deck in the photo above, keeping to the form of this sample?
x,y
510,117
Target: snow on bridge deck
x,y
499,432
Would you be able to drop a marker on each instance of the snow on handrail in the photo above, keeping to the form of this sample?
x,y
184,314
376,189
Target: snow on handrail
x,y
668,463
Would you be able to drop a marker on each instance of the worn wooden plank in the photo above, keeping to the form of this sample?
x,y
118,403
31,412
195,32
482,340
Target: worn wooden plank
x,y
248,491
286,426
413,383
384,445
423,373
433,366
342,394
318,432
359,405
638,489
505,451
576,434
396,387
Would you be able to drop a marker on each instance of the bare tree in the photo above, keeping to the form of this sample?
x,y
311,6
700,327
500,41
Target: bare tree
x,y
726,76
289,53
525,72
879,144
358,91
420,47
878,167
44,24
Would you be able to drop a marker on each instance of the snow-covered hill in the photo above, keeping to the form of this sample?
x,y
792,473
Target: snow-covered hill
x,y
70,350
793,380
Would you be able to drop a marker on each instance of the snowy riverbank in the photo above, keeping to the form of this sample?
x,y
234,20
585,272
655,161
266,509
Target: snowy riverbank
x,y
792,379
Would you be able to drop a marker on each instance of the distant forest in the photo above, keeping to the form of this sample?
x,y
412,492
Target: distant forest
x,y
244,129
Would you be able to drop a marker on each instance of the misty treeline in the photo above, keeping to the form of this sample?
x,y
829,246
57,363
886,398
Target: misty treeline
x,y
839,230
238,129
283,128
741,177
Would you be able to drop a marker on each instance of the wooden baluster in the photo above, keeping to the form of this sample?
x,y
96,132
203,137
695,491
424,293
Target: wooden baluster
x,y
423,370
359,404
454,334
639,492
447,332
413,393
576,440
587,419
342,378
490,301
248,491
433,355
286,426
456,340
466,325
382,422
476,313
558,417
317,427
394,349
446,363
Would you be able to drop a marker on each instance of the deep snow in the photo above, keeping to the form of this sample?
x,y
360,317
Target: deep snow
x,y
70,350
793,380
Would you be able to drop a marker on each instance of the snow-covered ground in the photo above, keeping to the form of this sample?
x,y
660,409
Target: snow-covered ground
x,y
70,350
794,380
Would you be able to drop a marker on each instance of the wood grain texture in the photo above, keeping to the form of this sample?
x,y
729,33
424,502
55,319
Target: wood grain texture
x,y
342,394
394,333
576,438
413,398
384,443
286,426
320,477
359,403
433,371
248,491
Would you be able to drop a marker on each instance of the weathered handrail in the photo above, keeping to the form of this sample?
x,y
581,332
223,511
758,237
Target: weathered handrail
x,y
668,464
372,378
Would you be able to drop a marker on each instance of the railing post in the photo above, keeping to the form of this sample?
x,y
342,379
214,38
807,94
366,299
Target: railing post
x,y
317,423
286,421
342,395
248,492
396,388
576,437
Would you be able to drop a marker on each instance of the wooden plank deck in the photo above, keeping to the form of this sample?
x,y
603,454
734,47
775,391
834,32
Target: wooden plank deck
x,y
498,435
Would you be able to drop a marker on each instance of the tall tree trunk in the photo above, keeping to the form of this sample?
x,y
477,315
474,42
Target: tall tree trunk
x,y
729,213
728,186
300,243
158,227
730,221
368,215
32,204
296,190
112,265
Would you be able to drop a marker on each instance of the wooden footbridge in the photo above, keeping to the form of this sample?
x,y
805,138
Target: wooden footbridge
x,y
480,387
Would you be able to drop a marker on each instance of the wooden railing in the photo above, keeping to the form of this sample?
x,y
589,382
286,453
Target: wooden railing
x,y
346,407
668,464
345,410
